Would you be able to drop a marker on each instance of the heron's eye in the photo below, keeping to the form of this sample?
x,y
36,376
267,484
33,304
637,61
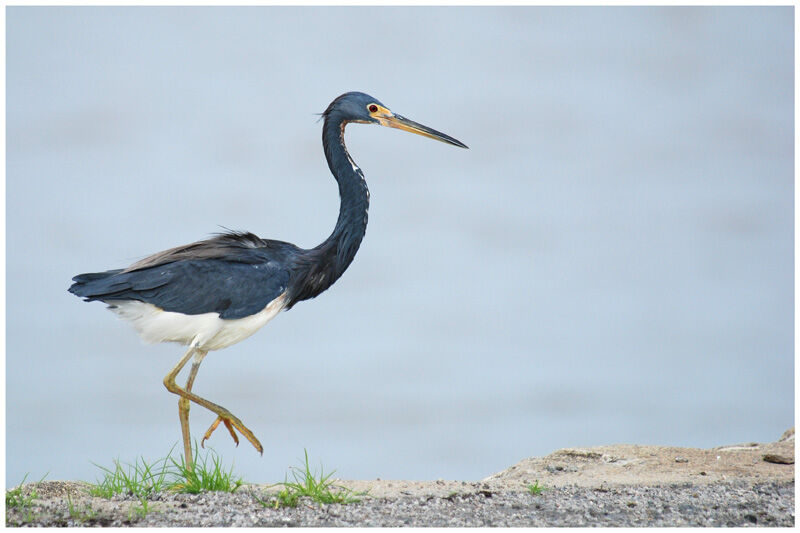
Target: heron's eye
x,y
372,108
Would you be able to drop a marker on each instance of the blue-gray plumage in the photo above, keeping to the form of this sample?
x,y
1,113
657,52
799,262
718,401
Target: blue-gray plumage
x,y
233,274
213,293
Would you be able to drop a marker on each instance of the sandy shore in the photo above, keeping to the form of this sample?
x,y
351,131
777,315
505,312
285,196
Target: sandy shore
x,y
632,485
622,464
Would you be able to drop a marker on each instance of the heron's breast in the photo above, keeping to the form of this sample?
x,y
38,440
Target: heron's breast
x,y
207,330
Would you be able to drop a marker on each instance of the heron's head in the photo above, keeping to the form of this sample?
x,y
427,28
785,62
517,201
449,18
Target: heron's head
x,y
363,108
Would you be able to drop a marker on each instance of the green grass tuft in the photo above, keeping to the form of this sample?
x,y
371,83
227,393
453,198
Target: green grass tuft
x,y
15,497
535,489
307,484
142,479
81,515
21,500
207,475
138,512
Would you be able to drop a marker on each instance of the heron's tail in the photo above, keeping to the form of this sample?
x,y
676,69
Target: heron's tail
x,y
95,285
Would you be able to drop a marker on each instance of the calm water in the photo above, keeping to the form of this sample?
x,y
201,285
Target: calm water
x,y
611,261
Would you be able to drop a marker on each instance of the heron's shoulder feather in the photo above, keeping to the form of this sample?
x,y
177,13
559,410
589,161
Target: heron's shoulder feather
x,y
232,246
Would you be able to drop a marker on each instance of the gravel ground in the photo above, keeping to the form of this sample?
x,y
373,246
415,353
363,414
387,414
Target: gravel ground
x,y
718,504
748,484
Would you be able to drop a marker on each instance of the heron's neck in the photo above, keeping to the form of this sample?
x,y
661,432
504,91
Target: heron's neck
x,y
328,261
353,193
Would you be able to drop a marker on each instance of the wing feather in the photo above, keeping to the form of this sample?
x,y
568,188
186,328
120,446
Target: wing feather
x,y
235,275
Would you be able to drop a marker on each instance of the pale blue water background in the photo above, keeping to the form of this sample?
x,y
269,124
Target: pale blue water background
x,y
610,262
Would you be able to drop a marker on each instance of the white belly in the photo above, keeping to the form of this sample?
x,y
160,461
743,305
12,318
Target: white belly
x,y
208,331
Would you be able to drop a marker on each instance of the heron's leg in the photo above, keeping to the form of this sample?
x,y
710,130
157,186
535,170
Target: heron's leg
x,y
223,415
183,404
183,408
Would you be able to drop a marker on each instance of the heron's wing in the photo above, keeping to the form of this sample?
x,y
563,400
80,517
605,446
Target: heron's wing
x,y
234,289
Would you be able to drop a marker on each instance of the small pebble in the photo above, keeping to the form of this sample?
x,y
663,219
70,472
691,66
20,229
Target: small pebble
x,y
778,458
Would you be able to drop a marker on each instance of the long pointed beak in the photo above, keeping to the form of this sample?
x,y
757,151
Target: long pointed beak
x,y
402,123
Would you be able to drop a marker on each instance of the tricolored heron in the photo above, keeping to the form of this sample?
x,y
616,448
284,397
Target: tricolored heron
x,y
211,294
